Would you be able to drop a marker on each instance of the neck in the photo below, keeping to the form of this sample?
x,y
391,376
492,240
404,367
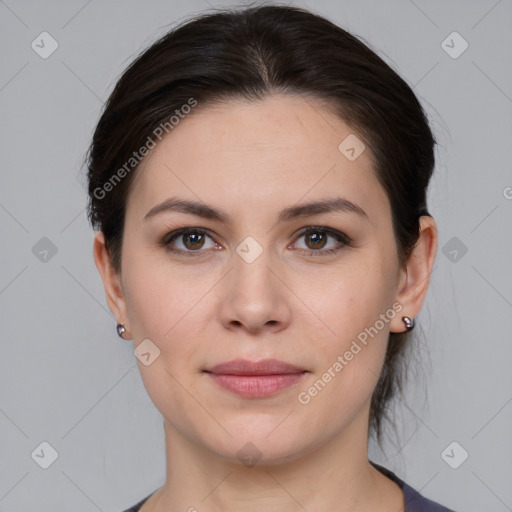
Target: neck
x,y
336,476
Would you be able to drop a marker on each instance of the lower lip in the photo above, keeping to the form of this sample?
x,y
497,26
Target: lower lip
x,y
256,386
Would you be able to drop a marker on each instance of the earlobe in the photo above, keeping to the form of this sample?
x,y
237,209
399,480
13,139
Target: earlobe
x,y
415,278
111,280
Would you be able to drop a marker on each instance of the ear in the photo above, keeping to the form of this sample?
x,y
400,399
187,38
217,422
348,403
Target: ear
x,y
111,282
415,277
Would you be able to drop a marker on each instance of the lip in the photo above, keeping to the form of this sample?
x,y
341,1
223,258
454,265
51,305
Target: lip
x,y
263,367
255,379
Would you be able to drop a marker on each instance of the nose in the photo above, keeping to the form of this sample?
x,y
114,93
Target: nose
x,y
254,297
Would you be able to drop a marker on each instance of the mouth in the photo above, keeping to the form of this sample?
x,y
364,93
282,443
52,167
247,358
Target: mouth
x,y
255,379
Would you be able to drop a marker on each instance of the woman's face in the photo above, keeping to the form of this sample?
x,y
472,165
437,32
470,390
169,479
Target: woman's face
x,y
271,279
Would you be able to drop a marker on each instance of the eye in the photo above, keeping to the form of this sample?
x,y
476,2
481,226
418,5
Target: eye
x,y
187,241
317,241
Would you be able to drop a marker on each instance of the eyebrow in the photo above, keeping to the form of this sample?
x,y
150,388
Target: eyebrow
x,y
336,204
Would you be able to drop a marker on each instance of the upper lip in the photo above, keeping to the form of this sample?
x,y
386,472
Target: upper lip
x,y
263,367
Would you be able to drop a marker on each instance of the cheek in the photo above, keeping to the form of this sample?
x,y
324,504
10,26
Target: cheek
x,y
173,310
355,308
159,297
164,306
351,358
350,299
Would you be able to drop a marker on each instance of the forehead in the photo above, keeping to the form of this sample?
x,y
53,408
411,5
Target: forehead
x,y
259,154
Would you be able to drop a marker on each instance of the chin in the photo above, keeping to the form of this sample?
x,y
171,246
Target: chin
x,y
261,445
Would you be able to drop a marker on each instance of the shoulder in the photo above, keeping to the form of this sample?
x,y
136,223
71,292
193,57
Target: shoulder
x,y
136,507
414,501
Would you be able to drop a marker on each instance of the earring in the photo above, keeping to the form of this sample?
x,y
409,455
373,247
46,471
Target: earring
x,y
409,323
120,330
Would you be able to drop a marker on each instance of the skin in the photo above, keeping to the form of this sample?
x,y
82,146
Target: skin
x,y
253,159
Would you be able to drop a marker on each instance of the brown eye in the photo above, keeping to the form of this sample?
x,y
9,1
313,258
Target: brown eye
x,y
317,239
189,241
193,240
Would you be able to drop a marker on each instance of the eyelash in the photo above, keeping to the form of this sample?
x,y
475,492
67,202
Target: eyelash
x,y
343,240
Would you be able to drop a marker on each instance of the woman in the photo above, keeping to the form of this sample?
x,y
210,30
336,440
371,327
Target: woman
x,y
258,181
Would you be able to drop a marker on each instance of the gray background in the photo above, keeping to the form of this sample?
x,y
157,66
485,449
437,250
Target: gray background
x,y
65,376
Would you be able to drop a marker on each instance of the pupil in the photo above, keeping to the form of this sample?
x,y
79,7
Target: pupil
x,y
318,240
195,238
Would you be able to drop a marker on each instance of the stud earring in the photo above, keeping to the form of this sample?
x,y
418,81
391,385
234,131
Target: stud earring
x,y
409,323
120,330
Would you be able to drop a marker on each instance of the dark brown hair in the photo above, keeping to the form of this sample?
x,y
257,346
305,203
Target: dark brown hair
x,y
250,53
